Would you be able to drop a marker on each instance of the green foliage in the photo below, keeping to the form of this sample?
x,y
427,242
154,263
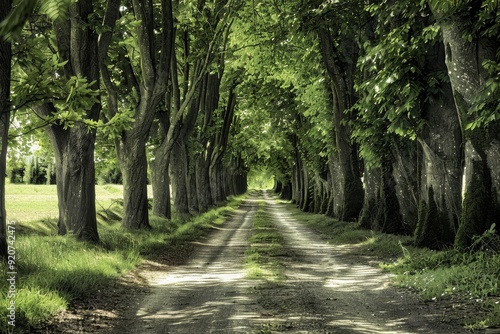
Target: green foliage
x,y
485,109
17,17
80,97
260,178
284,100
107,165
393,81
37,80
56,9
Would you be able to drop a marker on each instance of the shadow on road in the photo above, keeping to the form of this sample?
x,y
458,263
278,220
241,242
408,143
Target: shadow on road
x,y
325,290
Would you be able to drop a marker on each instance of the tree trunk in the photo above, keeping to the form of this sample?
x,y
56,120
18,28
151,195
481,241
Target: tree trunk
x,y
206,136
217,182
305,203
441,166
286,191
178,176
133,163
192,187
74,153
482,173
334,204
203,184
160,180
296,182
381,208
405,173
350,196
371,180
389,215
5,76
150,85
219,143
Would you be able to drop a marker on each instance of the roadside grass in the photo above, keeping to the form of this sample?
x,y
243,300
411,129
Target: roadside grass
x,y
470,278
264,256
52,270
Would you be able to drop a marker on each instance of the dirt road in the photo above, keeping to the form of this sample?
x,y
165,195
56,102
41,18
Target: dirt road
x,y
325,291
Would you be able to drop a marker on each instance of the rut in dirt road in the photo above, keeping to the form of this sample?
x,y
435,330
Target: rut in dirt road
x,y
209,294
325,290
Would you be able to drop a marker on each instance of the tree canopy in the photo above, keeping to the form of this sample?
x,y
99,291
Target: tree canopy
x,y
380,112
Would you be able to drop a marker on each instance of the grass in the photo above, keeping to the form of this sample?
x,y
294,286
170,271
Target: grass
x,y
465,277
264,256
34,202
54,270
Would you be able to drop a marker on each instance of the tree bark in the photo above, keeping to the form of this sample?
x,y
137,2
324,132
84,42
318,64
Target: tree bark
x,y
218,184
5,76
406,173
482,173
193,193
381,208
75,171
209,103
350,196
133,163
203,183
160,180
371,181
441,166
178,176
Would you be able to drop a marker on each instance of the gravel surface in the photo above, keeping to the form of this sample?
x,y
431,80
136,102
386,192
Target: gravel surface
x,y
326,290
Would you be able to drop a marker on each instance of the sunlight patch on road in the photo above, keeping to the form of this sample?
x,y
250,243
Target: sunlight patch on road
x,y
199,279
357,278
365,326
211,309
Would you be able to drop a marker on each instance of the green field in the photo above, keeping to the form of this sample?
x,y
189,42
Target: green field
x,y
33,202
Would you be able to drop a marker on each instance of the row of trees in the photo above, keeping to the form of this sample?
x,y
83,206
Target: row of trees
x,y
386,112
148,77
389,110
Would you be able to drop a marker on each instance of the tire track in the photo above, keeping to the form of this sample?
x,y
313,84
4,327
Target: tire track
x,y
208,294
326,291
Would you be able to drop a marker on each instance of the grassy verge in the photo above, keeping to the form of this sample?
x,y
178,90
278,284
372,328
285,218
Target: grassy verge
x,y
264,256
469,279
54,270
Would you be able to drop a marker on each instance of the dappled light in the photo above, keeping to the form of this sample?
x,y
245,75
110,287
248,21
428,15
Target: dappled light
x,y
126,125
323,288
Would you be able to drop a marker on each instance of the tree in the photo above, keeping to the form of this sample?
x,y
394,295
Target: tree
x,y
74,145
405,97
145,82
337,26
201,35
470,30
60,83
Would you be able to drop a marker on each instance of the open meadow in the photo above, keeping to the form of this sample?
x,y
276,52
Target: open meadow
x,y
34,202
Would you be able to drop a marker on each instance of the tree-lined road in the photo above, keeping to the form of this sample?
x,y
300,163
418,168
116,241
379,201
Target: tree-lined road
x,y
325,290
